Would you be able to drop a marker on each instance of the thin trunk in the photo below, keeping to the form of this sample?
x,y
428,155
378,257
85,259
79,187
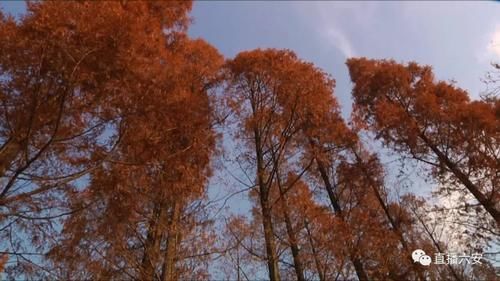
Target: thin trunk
x,y
168,269
315,254
397,231
151,246
394,225
238,278
488,204
272,260
292,239
358,266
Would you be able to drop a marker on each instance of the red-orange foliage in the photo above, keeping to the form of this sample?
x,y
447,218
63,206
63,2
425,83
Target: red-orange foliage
x,y
270,92
433,122
131,69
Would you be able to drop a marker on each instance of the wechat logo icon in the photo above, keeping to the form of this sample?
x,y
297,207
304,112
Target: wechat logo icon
x,y
420,257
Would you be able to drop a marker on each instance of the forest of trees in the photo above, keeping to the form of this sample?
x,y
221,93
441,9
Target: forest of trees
x,y
113,122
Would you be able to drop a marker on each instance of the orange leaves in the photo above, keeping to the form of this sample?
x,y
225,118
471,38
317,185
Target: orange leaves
x,y
120,93
276,86
387,93
434,122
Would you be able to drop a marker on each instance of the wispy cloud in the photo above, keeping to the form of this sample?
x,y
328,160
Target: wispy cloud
x,y
322,17
333,34
337,38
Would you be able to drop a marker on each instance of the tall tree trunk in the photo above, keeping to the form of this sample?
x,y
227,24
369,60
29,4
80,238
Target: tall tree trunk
x,y
151,247
394,226
272,260
168,268
238,278
358,266
292,239
317,263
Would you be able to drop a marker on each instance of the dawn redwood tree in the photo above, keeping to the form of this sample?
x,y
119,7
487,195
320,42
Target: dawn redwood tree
x,y
369,167
157,185
270,92
64,68
290,120
124,71
336,150
253,98
326,139
298,216
58,122
433,122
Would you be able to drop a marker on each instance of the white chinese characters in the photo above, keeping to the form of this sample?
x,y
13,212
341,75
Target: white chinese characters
x,y
451,258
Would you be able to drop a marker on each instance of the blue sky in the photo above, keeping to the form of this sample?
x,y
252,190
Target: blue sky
x,y
459,39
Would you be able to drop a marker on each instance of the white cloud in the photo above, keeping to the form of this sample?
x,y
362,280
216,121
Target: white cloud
x,y
322,16
333,34
338,39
